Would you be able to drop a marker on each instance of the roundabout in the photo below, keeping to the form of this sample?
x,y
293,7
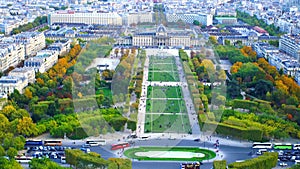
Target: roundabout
x,y
169,154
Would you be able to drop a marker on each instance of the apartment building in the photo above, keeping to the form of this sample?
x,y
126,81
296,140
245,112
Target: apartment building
x,y
89,18
26,72
9,83
204,19
43,61
10,55
290,44
138,17
32,41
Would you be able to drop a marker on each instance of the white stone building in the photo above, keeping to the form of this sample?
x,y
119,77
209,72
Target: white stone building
x,y
9,83
28,73
204,19
43,61
11,55
138,17
290,44
72,17
33,42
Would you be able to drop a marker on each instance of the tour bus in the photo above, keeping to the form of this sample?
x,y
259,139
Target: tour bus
x,y
296,146
29,143
285,146
23,159
120,146
53,143
96,142
257,145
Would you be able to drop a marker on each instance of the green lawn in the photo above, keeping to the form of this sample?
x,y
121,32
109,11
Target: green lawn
x,y
156,59
162,67
164,123
131,153
165,106
163,76
164,92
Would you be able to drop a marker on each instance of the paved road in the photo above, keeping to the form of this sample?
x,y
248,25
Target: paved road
x,y
231,153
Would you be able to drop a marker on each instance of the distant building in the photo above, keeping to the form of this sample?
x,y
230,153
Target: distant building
x,y
9,83
288,64
138,17
11,55
33,42
264,49
290,44
226,20
43,61
162,37
72,17
28,73
61,47
202,18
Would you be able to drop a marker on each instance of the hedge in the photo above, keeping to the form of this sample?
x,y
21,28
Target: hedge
x,y
118,123
266,161
219,164
183,56
235,131
244,104
131,125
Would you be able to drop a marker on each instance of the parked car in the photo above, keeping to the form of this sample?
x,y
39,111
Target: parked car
x,y
86,146
283,164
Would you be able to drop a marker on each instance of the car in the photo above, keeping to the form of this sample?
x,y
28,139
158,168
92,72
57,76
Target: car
x,y
197,140
85,146
283,164
83,149
88,150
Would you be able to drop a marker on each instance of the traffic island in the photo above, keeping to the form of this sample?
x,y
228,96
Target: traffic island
x,y
169,154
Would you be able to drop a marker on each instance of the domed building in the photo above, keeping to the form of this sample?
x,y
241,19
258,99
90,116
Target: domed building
x,y
163,37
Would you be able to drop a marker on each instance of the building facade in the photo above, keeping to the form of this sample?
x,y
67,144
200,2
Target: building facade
x,y
204,19
28,73
11,55
161,37
43,61
9,83
72,17
290,44
32,41
139,17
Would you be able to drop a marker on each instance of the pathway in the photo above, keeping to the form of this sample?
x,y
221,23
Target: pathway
x,y
188,100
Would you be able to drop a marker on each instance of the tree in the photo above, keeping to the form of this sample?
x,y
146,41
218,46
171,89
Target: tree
x,y
2,151
213,40
262,87
44,163
4,125
8,111
196,22
11,152
26,127
28,93
19,142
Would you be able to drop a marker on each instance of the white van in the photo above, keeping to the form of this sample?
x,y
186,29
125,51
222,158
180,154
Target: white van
x,y
261,151
63,159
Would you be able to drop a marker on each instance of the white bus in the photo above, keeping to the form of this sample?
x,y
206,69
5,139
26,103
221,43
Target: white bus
x,y
23,159
96,142
296,146
257,145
